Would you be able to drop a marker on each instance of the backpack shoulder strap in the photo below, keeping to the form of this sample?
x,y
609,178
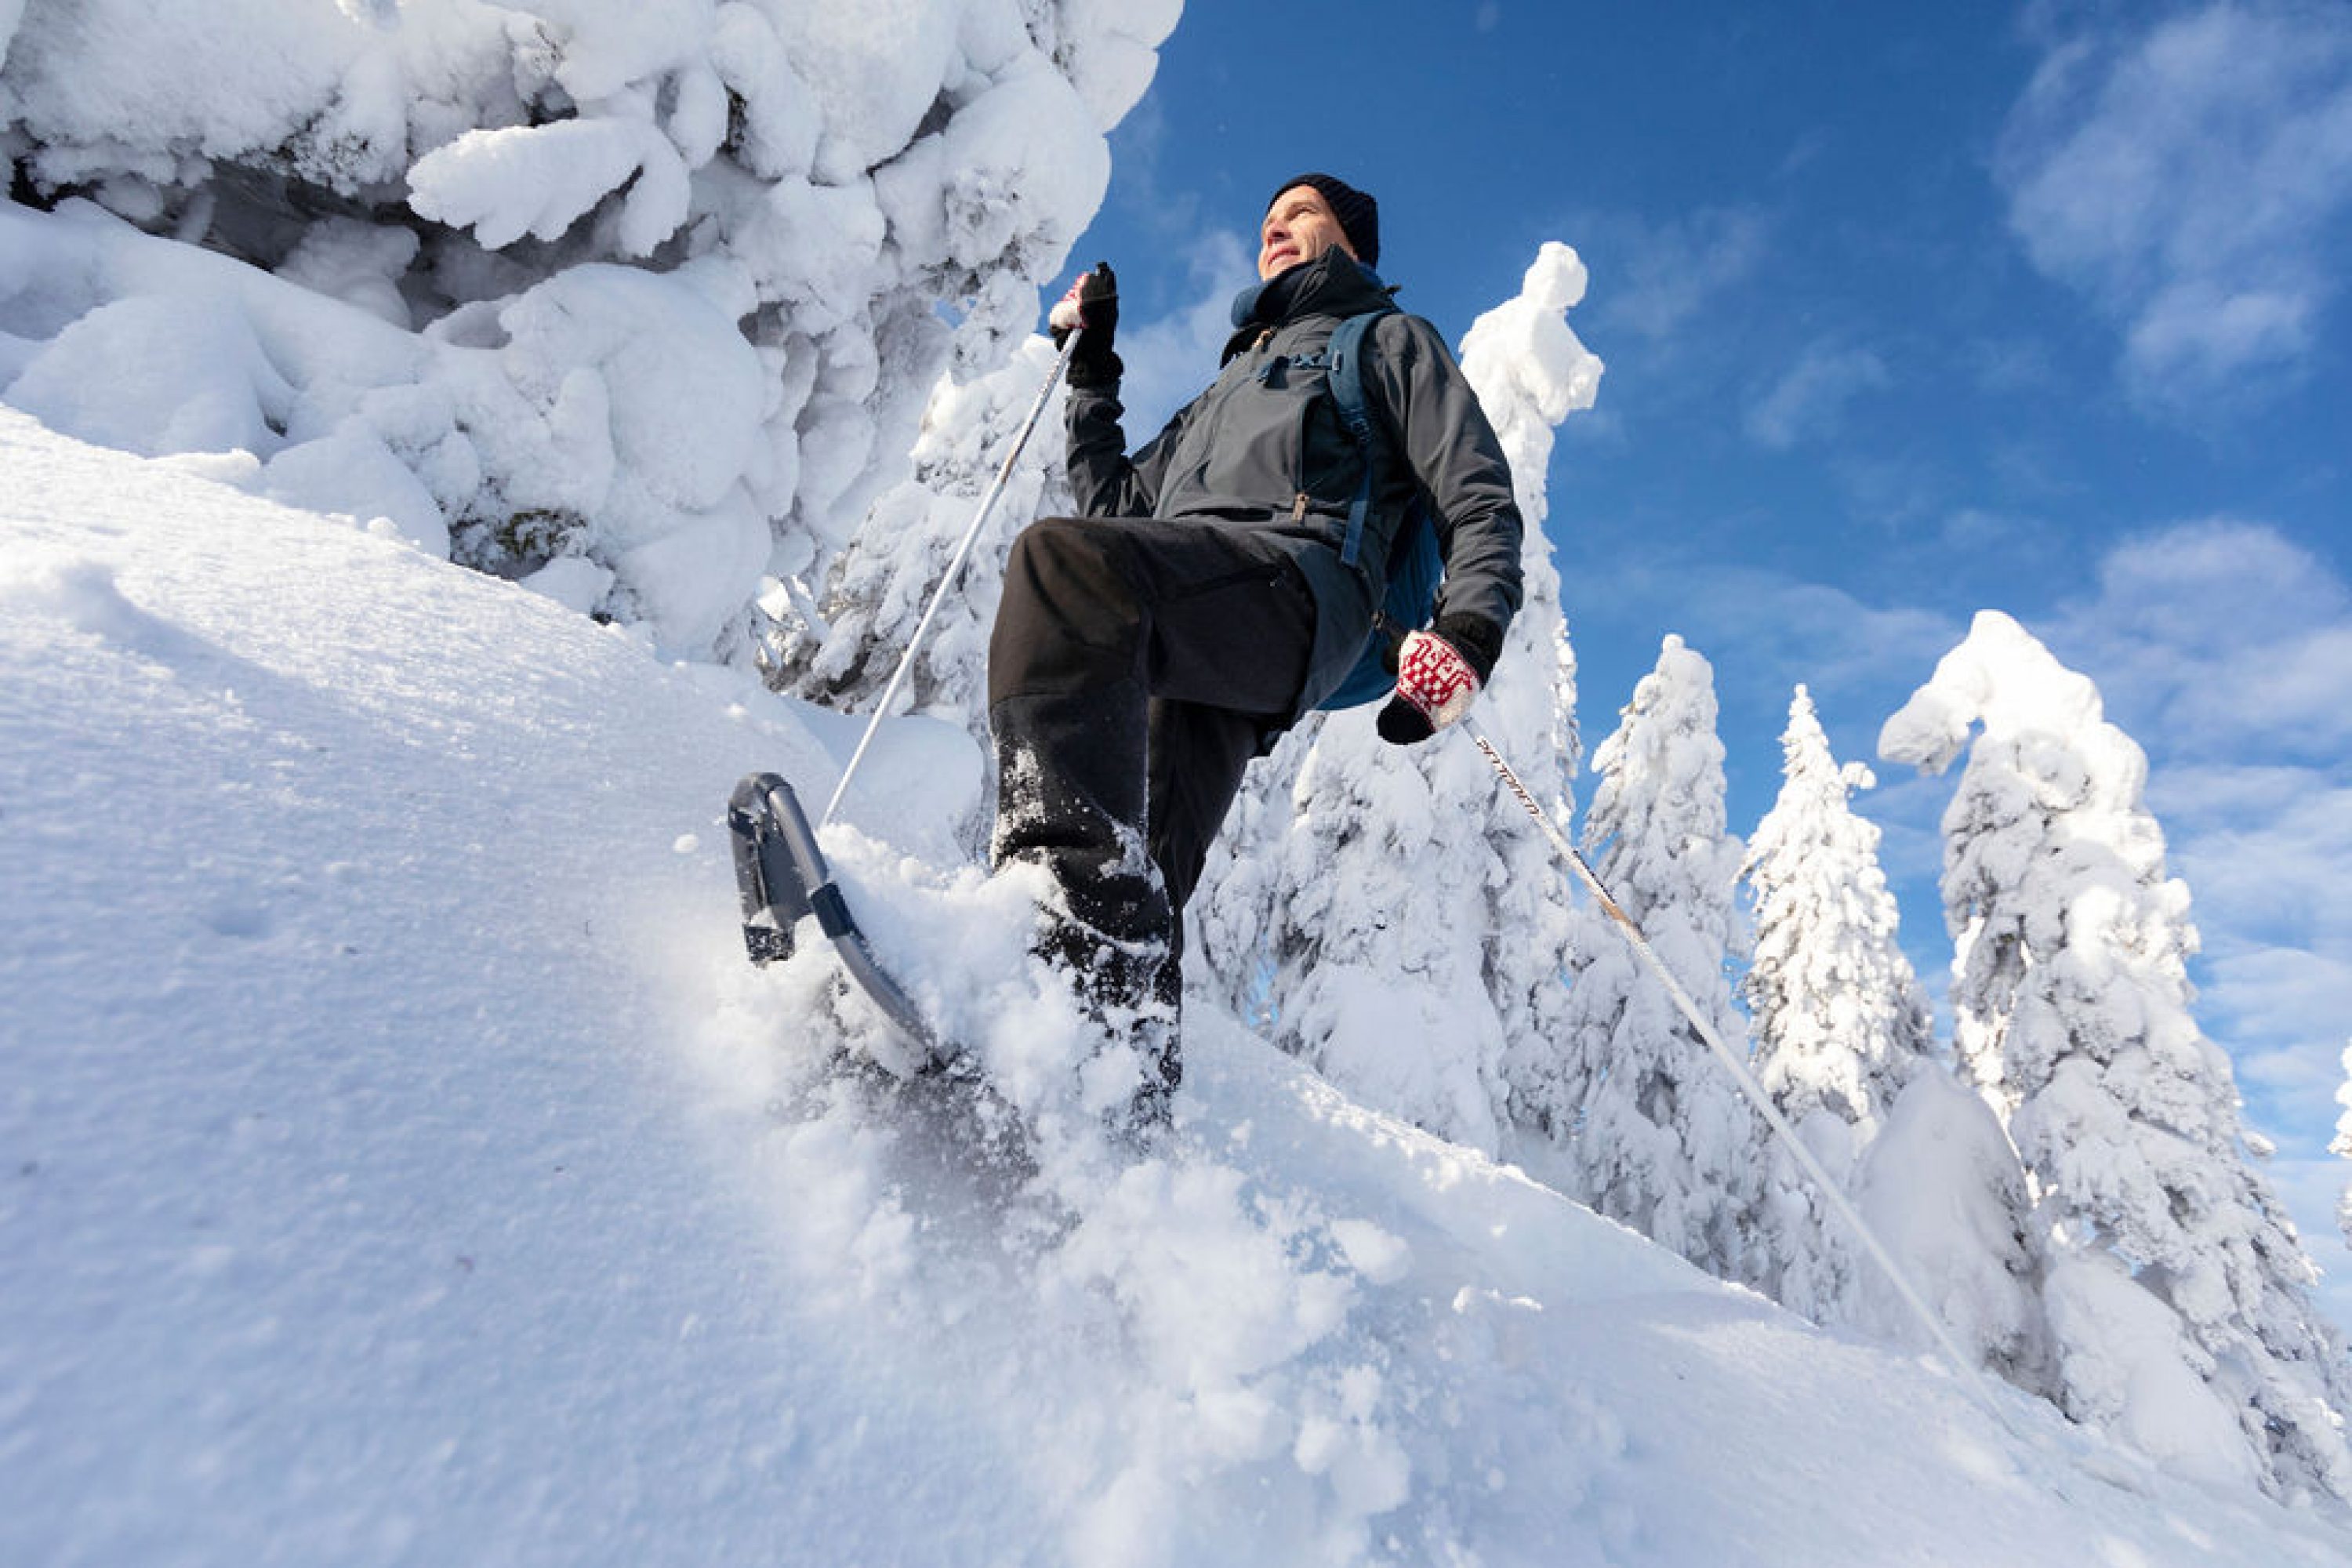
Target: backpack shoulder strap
x,y
1345,377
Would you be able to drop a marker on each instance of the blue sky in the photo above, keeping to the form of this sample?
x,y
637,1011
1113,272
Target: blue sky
x,y
1907,312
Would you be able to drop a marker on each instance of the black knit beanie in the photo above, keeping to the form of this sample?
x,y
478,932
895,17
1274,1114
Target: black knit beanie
x,y
1359,215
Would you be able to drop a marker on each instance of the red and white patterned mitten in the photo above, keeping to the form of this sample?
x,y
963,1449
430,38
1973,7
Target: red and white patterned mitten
x,y
1435,686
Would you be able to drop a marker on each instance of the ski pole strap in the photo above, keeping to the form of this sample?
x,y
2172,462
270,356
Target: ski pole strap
x,y
1390,634
832,911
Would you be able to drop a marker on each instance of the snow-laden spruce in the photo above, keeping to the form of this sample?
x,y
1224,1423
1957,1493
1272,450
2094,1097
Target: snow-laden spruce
x,y
1378,905
2342,1144
1942,1190
2178,1296
639,297
1532,372
1841,1022
1845,1046
1651,1130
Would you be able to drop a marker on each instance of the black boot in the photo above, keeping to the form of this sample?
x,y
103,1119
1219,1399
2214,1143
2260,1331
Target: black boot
x,y
1131,993
1071,788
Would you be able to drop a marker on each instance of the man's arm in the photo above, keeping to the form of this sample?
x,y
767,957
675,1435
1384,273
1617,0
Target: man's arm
x,y
1106,482
1456,454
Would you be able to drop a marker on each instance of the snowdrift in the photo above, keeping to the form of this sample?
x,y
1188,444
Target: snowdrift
x,y
399,1162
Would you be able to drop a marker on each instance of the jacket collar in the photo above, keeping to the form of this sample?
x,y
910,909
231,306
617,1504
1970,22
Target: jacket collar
x,y
1334,284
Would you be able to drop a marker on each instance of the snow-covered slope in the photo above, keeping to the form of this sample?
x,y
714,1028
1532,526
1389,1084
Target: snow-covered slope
x,y
399,1163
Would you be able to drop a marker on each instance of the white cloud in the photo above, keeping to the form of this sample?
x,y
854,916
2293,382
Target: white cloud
x,y
2224,639
1810,399
1142,193
1767,630
2225,649
2198,334
2273,994
2194,180
2267,877
1665,274
2005,366
1169,360
1975,531
2309,1186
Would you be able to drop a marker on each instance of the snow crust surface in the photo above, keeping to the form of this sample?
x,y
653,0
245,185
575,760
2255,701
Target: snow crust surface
x,y
399,1162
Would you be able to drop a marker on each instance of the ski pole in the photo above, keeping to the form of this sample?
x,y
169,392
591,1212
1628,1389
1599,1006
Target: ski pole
x,y
955,567
1971,1379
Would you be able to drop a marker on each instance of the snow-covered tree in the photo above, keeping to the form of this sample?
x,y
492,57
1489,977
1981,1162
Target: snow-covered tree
x,y
843,648
2342,1144
1531,372
1657,1133
1841,1022
2178,1295
1375,904
1942,1190
1843,1045
639,298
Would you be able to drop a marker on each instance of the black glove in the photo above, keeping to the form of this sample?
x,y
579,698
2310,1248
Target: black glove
x,y
1092,303
1439,673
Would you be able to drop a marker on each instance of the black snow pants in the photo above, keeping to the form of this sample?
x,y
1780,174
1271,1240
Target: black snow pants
x,y
1136,667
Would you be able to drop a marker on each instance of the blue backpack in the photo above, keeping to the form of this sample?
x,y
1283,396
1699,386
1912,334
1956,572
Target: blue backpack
x,y
1415,564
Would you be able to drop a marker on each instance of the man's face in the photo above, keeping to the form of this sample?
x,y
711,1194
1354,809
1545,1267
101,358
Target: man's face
x,y
1299,226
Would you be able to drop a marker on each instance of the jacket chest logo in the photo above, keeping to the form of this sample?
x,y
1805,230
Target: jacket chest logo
x,y
1274,373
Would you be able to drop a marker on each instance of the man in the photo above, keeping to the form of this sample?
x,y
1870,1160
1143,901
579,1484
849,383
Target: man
x,y
1143,653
